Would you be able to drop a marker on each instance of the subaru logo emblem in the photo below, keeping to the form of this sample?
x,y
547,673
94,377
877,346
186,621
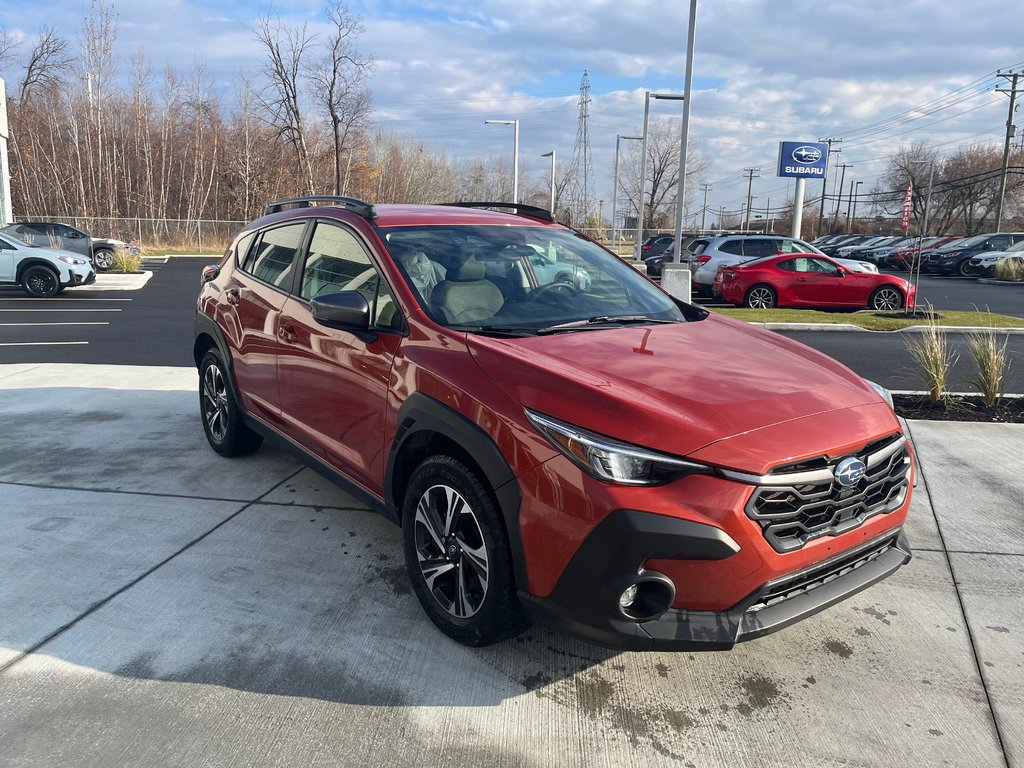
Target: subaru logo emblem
x,y
806,155
849,471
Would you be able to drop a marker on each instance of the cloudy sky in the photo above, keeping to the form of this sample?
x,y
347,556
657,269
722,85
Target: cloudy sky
x,y
877,73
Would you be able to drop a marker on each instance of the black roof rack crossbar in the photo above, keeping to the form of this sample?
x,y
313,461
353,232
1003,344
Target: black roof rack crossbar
x,y
523,210
360,207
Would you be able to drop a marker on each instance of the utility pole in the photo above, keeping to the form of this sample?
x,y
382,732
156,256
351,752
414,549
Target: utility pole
x,y
750,185
849,206
1010,130
705,188
839,197
824,182
854,197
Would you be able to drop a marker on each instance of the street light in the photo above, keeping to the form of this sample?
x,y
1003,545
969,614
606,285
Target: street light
x,y
684,131
854,194
553,155
643,163
615,184
515,154
924,224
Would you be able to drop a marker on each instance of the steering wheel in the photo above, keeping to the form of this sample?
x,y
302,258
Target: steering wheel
x,y
553,289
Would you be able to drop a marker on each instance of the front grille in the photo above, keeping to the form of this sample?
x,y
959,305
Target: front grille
x,y
813,504
789,587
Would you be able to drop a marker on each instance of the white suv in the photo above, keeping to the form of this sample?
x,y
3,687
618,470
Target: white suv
x,y
40,271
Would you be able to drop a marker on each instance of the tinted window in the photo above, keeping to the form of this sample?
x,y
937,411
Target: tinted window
x,y
271,260
732,246
756,247
242,249
789,265
337,261
999,242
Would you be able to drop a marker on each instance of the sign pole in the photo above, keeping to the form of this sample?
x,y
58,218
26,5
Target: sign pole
x,y
798,208
6,215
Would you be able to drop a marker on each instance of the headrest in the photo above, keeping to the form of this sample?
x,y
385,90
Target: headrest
x,y
471,269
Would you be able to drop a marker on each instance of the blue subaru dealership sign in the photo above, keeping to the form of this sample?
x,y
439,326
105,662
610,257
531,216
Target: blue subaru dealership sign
x,y
802,159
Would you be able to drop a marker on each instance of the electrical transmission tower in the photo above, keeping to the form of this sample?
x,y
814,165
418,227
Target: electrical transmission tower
x,y
581,172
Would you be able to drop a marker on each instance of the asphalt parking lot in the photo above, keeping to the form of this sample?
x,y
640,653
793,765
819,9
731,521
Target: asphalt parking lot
x,y
160,605
164,606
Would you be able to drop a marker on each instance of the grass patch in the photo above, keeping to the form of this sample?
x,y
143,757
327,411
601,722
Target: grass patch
x,y
176,250
872,321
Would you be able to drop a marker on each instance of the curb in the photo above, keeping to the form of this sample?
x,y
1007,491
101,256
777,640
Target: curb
x,y
848,328
922,393
993,281
113,282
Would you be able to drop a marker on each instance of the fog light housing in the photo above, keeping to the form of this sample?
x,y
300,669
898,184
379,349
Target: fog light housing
x,y
649,595
628,596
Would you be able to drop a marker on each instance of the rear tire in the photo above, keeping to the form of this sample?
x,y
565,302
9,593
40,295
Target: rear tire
x,y
104,259
40,282
457,554
761,296
222,416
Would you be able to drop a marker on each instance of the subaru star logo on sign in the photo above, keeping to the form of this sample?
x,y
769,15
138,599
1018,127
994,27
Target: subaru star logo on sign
x,y
849,471
802,159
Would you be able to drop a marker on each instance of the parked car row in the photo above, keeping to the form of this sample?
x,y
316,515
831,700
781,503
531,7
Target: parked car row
x,y
99,251
41,272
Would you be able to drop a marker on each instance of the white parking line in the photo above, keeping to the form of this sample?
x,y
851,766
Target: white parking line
x,y
51,301
23,325
60,310
40,343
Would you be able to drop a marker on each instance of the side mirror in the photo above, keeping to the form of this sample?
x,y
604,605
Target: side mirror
x,y
345,311
210,272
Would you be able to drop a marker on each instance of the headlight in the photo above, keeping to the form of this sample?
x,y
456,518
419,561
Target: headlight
x,y
610,460
883,392
72,260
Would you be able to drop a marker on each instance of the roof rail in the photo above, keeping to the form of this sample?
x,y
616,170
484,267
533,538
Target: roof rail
x,y
360,207
519,208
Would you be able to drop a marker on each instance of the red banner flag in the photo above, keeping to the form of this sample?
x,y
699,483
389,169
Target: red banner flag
x,y
905,224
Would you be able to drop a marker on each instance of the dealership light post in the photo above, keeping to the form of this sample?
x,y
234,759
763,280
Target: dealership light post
x,y
553,155
854,194
916,264
684,131
515,154
643,158
615,185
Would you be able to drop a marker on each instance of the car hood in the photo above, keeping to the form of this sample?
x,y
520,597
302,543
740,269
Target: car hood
x,y
48,253
675,388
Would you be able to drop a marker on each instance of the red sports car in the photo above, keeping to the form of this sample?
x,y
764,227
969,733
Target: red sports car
x,y
805,280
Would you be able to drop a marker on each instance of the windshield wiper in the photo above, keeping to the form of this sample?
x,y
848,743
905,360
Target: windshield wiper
x,y
604,320
496,330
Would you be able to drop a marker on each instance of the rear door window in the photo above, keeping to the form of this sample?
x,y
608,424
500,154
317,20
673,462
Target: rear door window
x,y
732,246
274,256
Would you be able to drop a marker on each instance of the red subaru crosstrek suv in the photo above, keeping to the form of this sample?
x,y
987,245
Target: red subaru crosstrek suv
x,y
610,461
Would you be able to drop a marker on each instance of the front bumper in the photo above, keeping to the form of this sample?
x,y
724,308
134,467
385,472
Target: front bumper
x,y
585,599
80,275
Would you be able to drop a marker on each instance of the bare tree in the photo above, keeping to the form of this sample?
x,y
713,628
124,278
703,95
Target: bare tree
x,y
661,171
287,47
339,82
47,64
9,47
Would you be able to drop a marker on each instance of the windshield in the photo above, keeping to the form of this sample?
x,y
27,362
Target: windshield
x,y
524,280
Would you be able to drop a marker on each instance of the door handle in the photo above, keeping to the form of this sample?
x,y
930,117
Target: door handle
x,y
233,296
286,332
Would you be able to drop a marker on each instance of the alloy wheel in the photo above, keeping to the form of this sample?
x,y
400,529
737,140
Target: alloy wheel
x,y
761,298
215,403
451,551
42,282
887,298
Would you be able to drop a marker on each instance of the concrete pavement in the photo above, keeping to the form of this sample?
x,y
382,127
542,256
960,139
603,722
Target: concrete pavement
x,y
160,605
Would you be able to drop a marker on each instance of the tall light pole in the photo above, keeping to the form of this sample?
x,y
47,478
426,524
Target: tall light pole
x,y
615,183
704,215
553,155
643,163
855,196
515,154
684,131
924,225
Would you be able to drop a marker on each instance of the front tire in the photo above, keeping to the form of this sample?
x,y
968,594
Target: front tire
x,y
761,297
965,268
104,259
885,299
40,282
222,416
457,554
